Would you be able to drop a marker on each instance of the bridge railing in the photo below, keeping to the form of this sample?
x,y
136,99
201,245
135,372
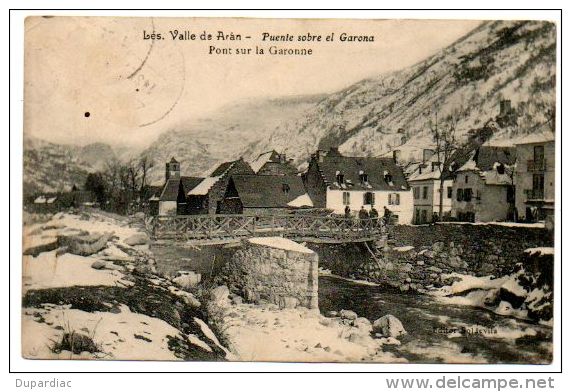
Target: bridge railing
x,y
225,227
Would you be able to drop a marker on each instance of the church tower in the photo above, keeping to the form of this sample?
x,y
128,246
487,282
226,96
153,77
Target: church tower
x,y
172,169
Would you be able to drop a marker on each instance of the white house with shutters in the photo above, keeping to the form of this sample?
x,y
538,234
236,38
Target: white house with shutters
x,y
335,182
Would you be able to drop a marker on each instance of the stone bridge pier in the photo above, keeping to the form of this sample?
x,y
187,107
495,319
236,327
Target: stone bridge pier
x,y
276,270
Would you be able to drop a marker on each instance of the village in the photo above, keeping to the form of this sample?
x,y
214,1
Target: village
x,y
475,182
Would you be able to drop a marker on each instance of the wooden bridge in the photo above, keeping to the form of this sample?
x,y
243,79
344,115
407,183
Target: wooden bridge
x,y
209,229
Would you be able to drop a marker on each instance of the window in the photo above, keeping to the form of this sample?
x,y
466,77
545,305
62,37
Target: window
x,y
468,194
346,198
538,182
394,199
363,177
369,198
340,178
285,188
425,192
538,154
449,192
460,194
466,179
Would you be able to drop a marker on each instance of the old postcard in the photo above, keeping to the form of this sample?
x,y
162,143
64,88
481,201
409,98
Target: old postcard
x,y
295,190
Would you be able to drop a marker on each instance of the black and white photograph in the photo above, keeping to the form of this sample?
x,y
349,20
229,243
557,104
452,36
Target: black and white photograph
x,y
330,190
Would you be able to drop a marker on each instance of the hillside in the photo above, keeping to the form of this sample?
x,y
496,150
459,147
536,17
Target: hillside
x,y
499,60
202,143
513,60
50,167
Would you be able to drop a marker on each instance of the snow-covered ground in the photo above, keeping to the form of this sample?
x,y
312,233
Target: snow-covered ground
x,y
484,292
123,335
48,271
120,332
267,333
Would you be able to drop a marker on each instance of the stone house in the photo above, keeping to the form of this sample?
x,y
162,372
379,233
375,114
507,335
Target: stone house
x,y
334,181
206,197
483,189
264,195
535,176
425,184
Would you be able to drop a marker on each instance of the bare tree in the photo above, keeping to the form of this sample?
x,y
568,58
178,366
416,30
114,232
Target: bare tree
x,y
145,164
132,169
446,144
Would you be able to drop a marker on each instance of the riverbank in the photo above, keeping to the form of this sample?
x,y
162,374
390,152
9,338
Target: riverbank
x,y
91,291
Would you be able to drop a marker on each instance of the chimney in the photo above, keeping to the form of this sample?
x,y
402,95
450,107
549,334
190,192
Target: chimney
x,y
427,153
505,107
396,156
319,154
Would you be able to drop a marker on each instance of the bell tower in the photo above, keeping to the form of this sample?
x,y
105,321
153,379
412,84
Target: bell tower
x,y
172,169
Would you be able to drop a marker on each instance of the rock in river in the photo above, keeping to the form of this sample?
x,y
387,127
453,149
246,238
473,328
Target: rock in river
x,y
389,326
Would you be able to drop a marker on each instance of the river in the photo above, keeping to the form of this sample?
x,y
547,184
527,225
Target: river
x,y
435,330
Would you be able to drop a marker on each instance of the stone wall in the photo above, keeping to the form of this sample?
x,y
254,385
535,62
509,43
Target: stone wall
x,y
274,270
420,257
478,241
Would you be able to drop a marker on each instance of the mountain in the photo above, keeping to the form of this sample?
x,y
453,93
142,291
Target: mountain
x,y
51,167
96,155
202,143
499,60
464,84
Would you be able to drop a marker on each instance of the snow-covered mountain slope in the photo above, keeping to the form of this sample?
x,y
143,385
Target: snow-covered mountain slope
x,y
203,143
50,167
513,60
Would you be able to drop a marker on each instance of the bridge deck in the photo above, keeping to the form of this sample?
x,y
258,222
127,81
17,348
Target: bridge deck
x,y
209,229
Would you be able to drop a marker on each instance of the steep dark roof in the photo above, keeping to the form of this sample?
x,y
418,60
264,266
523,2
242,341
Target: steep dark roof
x,y
152,191
222,168
170,190
242,167
173,160
374,168
267,191
189,183
486,156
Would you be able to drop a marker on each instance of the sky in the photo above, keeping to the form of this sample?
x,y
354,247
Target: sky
x,y
97,79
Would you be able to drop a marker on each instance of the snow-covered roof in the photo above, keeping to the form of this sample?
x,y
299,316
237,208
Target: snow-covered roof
x,y
45,199
492,177
542,137
204,186
301,201
541,250
261,160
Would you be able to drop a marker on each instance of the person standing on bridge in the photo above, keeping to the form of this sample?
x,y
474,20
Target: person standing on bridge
x,y
347,212
373,214
387,216
363,214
